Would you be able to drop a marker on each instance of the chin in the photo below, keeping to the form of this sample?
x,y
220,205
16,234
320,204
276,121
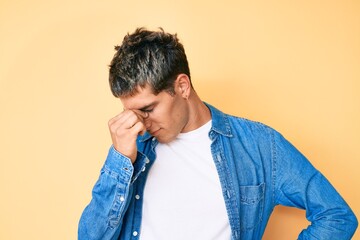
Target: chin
x,y
165,139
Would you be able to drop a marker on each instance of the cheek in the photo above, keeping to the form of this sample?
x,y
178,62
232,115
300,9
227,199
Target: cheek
x,y
169,113
157,117
164,118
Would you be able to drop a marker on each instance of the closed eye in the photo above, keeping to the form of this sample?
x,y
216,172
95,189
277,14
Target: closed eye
x,y
147,110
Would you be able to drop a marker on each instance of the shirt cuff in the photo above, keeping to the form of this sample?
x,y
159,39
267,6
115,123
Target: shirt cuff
x,y
120,164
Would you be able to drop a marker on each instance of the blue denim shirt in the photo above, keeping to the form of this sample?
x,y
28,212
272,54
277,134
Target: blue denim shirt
x,y
258,169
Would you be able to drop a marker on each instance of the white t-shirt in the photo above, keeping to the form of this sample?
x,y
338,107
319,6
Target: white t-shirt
x,y
182,196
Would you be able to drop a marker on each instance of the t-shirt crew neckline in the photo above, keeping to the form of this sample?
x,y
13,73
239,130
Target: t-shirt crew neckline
x,y
197,132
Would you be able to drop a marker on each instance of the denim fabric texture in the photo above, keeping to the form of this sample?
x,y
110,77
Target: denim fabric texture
x,y
258,169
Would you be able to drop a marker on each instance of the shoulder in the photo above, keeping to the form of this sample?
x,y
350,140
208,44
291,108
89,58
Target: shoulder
x,y
235,124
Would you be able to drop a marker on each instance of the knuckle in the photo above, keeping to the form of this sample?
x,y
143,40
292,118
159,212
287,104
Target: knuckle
x,y
118,131
138,126
134,116
110,122
112,128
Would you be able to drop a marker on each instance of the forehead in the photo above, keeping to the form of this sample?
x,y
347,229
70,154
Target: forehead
x,y
144,96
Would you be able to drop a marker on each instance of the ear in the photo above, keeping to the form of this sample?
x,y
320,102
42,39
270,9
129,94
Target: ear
x,y
183,86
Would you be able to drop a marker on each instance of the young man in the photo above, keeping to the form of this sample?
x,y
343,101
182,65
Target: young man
x,y
181,169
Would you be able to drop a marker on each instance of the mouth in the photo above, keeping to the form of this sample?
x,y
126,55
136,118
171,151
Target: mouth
x,y
153,133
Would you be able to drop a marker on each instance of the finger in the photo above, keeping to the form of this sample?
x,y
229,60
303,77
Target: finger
x,y
125,120
130,121
118,117
138,128
141,114
137,116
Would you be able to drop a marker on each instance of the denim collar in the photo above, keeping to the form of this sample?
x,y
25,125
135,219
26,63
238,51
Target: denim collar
x,y
220,124
220,121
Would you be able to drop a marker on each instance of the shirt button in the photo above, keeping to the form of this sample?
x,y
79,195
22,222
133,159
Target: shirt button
x,y
228,194
147,161
135,233
122,198
143,169
137,197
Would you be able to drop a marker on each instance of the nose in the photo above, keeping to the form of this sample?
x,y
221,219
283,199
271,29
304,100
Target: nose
x,y
147,122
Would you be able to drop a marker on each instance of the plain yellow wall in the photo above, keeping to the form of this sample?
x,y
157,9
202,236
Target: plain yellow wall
x,y
294,65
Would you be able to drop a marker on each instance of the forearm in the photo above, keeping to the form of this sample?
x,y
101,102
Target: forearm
x,y
103,217
299,184
329,214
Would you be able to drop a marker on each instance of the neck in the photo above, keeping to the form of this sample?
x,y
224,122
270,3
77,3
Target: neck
x,y
199,113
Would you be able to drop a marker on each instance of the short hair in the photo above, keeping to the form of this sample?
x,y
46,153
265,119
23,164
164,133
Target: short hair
x,y
146,57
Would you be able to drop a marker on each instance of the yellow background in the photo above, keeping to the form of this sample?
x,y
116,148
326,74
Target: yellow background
x,y
294,65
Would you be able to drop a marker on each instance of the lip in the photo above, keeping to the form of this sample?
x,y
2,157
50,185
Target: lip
x,y
155,132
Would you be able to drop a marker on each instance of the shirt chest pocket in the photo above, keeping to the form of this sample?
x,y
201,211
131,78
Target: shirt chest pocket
x,y
251,205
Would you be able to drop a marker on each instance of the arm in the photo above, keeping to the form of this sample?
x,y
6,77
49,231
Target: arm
x,y
111,195
103,217
299,184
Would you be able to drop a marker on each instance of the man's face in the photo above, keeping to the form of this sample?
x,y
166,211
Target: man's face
x,y
168,114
